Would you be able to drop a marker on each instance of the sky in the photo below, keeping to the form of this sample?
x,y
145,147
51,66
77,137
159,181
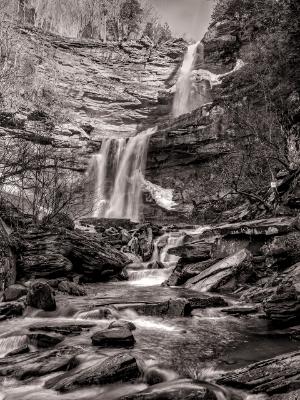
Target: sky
x,y
190,17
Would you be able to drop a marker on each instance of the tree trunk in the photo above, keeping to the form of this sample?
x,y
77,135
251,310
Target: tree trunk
x,y
7,259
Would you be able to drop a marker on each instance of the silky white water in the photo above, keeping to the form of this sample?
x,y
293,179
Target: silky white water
x,y
181,104
119,167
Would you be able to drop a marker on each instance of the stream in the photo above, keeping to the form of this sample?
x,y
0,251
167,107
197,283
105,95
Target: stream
x,y
200,347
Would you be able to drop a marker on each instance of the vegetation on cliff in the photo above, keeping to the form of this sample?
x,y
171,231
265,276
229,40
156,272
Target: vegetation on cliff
x,y
261,100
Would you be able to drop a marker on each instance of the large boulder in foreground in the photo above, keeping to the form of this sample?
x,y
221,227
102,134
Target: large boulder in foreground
x,y
59,252
40,295
118,368
276,375
221,276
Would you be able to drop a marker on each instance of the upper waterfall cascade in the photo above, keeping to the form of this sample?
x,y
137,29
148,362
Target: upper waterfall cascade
x,y
181,104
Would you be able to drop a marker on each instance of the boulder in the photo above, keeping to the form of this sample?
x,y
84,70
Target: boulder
x,y
122,324
192,252
165,392
262,227
105,312
23,366
145,247
20,350
173,308
276,375
40,295
207,302
43,340
113,337
118,368
14,292
293,395
284,249
185,271
67,329
222,276
11,309
71,288
155,265
240,310
283,307
59,252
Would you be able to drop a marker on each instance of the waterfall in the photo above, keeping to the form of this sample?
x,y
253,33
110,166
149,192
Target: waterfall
x,y
181,104
119,168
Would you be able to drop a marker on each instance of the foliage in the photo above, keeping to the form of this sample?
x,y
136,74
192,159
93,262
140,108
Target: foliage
x,y
262,99
36,180
112,19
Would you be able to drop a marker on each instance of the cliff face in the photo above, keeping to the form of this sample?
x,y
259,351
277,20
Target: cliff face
x,y
99,90
113,88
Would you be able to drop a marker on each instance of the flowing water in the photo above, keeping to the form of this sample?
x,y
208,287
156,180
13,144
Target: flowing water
x,y
181,104
198,347
119,168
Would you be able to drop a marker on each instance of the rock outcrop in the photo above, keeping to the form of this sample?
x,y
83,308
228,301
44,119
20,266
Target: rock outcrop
x,y
118,368
276,375
55,253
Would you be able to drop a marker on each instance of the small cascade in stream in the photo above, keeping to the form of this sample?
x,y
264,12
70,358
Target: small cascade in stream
x,y
163,263
120,166
181,104
11,344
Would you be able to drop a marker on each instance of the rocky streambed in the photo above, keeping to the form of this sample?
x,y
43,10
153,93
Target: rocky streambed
x,y
176,316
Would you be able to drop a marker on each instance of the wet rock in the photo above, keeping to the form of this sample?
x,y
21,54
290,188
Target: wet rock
x,y
59,252
95,260
71,288
37,264
155,265
118,368
67,329
113,337
221,276
40,295
276,375
183,271
20,350
122,324
207,302
198,251
105,312
284,249
11,309
172,308
38,364
240,310
145,242
283,307
14,292
266,227
163,392
43,340
293,395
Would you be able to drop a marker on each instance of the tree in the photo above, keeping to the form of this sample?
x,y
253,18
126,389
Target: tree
x,y
130,15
